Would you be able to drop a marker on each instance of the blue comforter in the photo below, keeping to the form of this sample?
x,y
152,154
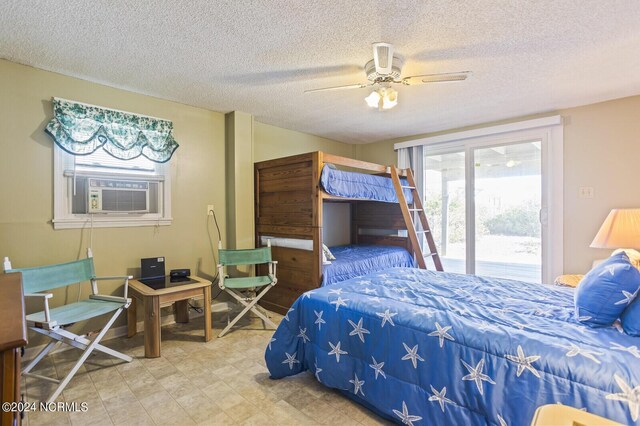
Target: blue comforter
x,y
361,185
426,347
357,260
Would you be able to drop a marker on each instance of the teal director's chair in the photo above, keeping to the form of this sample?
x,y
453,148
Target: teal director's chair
x,y
52,322
249,285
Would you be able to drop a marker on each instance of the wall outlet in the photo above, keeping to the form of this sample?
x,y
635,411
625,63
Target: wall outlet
x,y
210,210
585,192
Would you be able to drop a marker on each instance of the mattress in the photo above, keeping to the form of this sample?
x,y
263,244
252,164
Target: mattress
x,y
361,186
425,347
356,260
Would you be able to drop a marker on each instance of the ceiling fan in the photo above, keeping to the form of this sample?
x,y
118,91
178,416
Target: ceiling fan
x,y
383,71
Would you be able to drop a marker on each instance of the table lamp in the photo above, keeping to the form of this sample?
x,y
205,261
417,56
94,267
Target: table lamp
x,y
620,231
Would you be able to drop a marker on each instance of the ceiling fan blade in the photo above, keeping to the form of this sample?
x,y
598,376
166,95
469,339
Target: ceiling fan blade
x,y
348,86
436,78
383,57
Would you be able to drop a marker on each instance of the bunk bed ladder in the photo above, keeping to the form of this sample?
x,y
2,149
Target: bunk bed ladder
x,y
407,214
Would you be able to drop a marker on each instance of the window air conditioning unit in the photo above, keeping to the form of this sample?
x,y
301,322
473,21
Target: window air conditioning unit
x,y
118,196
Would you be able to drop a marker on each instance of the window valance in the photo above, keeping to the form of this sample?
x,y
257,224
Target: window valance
x,y
80,129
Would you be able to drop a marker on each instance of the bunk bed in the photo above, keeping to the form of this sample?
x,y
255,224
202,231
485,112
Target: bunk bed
x,y
289,195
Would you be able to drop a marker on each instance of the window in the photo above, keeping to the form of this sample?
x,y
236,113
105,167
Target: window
x,y
493,197
109,192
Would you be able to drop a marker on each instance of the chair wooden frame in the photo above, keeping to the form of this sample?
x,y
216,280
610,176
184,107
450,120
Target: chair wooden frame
x,y
249,303
48,325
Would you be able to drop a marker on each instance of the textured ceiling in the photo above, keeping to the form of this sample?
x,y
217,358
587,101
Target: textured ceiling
x,y
259,56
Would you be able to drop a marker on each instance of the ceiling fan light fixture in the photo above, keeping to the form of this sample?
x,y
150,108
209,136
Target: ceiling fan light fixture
x,y
382,98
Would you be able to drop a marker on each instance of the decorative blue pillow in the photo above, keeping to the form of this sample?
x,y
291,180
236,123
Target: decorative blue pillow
x,y
631,318
606,291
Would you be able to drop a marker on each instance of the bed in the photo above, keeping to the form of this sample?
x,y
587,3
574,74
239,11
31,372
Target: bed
x,y
361,186
353,260
291,194
424,347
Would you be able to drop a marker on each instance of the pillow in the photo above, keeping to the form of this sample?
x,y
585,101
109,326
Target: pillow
x,y
328,253
606,291
631,318
324,259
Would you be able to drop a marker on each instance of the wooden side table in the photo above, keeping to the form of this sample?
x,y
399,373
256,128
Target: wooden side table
x,y
153,299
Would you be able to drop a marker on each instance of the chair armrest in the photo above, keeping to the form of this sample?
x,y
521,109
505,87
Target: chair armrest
x,y
117,277
108,298
45,297
221,276
126,278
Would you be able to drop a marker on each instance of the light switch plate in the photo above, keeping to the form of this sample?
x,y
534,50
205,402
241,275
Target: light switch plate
x,y
585,192
210,210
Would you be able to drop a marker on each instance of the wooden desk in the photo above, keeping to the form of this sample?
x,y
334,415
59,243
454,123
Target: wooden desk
x,y
13,335
563,415
153,299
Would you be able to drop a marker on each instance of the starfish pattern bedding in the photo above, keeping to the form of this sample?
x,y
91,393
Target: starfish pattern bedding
x,y
424,347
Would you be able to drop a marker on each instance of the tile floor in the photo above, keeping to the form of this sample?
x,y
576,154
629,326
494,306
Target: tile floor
x,y
221,382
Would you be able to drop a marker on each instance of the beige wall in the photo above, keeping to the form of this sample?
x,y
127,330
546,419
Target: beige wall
x,y
26,171
273,142
197,172
601,150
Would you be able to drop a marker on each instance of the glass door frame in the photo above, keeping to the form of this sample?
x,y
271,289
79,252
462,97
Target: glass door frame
x,y
551,211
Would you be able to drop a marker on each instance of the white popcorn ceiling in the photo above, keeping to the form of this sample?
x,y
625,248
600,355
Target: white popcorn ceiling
x,y
259,56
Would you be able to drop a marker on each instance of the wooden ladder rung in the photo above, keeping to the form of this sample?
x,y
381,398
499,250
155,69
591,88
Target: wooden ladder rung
x,y
415,210
423,231
430,254
408,187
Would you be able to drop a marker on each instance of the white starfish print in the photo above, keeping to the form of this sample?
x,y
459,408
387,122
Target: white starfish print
x,y
628,297
377,367
319,319
633,350
405,417
399,289
362,282
335,350
477,375
440,397
383,275
375,299
288,312
337,291
386,317
524,362
422,310
308,294
339,302
412,354
629,395
611,269
501,420
291,359
357,384
387,281
271,341
587,353
303,335
368,290
318,370
442,334
459,311
358,329
542,312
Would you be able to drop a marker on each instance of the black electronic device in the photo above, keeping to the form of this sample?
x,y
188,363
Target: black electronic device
x,y
152,273
179,273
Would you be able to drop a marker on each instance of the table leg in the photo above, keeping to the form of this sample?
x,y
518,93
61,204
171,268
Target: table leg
x,y
151,327
132,318
182,311
207,313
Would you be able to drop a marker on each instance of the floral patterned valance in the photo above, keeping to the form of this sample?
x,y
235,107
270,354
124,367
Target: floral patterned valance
x,y
81,129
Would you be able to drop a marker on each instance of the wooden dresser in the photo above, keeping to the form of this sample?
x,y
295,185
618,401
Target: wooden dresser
x,y
13,336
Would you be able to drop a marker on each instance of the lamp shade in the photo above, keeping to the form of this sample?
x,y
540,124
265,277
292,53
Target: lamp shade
x,y
621,229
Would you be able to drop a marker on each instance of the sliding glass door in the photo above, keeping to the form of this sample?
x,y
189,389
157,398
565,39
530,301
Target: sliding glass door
x,y
483,202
